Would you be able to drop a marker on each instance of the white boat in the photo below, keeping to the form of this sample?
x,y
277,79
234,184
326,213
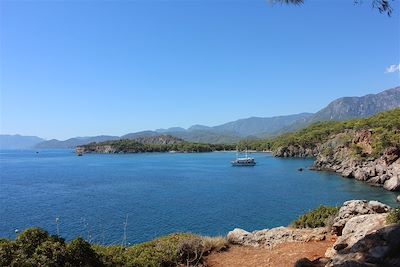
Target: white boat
x,y
243,161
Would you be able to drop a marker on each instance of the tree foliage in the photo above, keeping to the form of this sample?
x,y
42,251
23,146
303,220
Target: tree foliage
x,y
383,6
385,129
133,146
316,218
35,247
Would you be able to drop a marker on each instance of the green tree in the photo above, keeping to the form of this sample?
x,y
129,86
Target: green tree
x,y
383,6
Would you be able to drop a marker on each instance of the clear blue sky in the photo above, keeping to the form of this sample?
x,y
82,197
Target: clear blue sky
x,y
79,68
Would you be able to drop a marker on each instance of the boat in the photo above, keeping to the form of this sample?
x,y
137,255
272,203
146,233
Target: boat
x,y
243,161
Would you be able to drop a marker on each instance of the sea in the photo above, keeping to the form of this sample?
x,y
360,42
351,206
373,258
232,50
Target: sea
x,y
104,197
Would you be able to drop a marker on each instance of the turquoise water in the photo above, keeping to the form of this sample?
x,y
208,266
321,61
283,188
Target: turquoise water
x,y
161,193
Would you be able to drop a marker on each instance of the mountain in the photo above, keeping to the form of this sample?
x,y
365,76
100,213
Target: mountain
x,y
260,127
159,140
73,142
18,141
347,108
139,135
207,136
198,127
172,129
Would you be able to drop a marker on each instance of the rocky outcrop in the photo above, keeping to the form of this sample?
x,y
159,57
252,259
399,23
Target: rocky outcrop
x,y
351,154
354,159
364,239
354,208
275,236
295,151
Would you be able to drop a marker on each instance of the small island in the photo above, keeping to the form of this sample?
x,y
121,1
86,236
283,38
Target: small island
x,y
159,143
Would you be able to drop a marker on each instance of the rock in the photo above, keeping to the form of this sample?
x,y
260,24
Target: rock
x,y
347,173
355,208
361,175
378,207
390,155
393,184
304,262
275,236
358,227
398,198
238,236
367,241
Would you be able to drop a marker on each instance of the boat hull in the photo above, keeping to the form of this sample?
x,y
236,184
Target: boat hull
x,y
240,164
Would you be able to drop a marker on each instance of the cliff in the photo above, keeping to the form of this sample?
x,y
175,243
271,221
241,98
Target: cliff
x,y
367,150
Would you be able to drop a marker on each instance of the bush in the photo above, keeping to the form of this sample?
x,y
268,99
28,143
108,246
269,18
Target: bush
x,y
30,239
393,216
34,247
319,217
81,253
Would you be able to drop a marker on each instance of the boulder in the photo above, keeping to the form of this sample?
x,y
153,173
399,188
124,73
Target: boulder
x,y
393,184
390,155
239,236
275,236
357,228
355,208
367,241
347,173
361,175
398,198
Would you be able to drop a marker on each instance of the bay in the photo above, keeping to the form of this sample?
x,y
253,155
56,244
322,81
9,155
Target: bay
x,y
162,193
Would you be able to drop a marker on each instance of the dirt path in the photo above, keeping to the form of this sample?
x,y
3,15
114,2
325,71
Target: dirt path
x,y
284,255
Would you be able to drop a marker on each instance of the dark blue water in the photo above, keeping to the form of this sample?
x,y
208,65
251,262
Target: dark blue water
x,y
161,193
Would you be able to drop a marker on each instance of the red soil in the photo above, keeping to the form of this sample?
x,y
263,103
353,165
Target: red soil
x,y
283,255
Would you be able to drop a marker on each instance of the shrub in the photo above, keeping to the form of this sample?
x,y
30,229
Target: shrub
x,y
7,252
30,239
319,217
50,253
35,247
81,253
217,244
393,216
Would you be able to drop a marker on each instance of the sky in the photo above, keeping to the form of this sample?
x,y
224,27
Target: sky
x,y
84,68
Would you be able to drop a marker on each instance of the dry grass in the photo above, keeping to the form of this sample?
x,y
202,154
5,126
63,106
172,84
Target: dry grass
x,y
218,243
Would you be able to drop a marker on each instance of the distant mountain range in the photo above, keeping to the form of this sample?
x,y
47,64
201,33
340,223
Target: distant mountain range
x,y
18,141
250,128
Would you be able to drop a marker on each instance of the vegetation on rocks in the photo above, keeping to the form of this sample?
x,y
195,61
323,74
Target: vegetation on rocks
x,y
385,128
393,216
141,145
319,217
35,247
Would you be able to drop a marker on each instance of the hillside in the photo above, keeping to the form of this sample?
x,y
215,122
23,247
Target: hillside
x,y
347,108
161,143
259,127
73,142
18,141
365,149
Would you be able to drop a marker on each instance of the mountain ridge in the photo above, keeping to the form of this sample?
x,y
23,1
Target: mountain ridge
x,y
340,109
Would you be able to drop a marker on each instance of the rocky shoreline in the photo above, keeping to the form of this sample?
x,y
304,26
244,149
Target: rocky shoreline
x,y
351,155
363,237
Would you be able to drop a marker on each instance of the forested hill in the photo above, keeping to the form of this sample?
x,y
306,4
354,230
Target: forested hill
x,y
366,149
161,143
384,127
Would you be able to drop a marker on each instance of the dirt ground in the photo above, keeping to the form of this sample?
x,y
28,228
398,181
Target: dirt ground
x,y
284,255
